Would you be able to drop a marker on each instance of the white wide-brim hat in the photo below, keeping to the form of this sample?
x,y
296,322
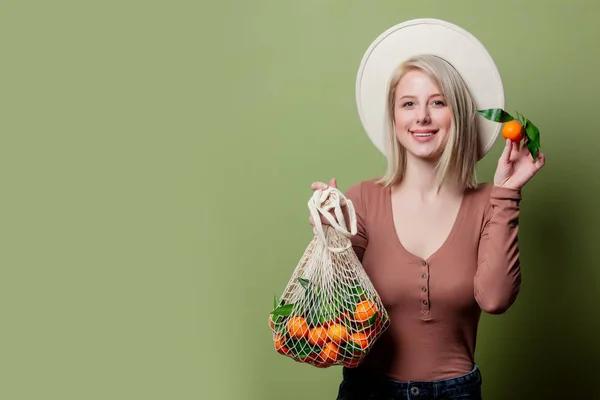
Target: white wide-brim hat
x,y
427,36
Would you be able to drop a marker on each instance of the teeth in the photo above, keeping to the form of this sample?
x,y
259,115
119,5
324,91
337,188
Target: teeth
x,y
422,134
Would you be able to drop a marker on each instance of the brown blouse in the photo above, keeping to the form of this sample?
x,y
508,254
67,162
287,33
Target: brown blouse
x,y
434,304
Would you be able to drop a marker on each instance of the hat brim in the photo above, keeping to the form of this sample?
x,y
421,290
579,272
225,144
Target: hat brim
x,y
427,36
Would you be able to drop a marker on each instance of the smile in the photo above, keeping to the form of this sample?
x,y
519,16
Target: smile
x,y
423,133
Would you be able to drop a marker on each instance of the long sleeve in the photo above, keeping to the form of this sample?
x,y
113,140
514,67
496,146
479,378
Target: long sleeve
x,y
498,278
360,240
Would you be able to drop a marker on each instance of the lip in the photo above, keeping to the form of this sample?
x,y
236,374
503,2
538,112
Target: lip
x,y
416,134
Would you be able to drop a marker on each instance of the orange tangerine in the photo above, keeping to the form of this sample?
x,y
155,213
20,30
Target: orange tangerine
x,y
330,352
317,336
512,130
337,333
360,339
279,344
364,311
297,327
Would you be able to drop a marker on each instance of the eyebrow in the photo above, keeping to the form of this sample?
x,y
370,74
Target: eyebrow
x,y
412,97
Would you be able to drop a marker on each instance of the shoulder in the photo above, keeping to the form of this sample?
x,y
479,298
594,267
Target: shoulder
x,y
481,192
367,194
365,189
478,199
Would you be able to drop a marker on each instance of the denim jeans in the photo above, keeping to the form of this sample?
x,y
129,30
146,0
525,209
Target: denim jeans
x,y
362,385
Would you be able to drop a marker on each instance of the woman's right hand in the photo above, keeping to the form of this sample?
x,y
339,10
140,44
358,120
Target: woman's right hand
x,y
322,186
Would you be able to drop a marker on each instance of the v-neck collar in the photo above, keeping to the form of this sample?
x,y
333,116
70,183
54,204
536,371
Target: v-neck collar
x,y
456,225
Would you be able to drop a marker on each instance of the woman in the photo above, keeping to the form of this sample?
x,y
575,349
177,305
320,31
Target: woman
x,y
438,247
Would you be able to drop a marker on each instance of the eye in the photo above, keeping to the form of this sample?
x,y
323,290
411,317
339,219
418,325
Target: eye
x,y
439,103
408,104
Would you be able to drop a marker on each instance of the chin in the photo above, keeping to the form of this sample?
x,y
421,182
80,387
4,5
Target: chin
x,y
429,157
429,149
426,154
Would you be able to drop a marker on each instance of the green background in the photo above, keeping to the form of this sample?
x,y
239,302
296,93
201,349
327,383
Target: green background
x,y
156,158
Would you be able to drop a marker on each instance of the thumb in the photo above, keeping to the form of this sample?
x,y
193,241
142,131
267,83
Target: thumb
x,y
505,156
333,183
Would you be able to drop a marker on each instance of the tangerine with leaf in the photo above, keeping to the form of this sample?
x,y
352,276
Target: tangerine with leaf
x,y
513,130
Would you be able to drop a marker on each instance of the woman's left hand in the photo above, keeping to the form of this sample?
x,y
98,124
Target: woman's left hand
x,y
516,167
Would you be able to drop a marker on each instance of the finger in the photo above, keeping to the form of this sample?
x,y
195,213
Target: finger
x,y
541,160
318,185
333,183
505,156
525,149
514,152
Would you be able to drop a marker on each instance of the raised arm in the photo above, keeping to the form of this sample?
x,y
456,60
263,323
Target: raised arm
x,y
498,277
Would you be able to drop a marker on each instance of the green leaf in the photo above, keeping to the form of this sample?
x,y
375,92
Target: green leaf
x,y
357,291
301,348
496,115
350,348
328,313
533,149
521,118
312,314
372,320
310,303
533,138
275,301
279,324
304,282
350,301
532,131
281,329
284,310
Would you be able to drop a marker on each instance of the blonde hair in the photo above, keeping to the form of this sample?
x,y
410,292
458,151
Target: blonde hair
x,y
460,153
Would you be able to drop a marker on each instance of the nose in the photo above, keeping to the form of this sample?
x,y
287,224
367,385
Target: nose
x,y
423,116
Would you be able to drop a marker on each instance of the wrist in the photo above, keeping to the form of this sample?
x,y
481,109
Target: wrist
x,y
506,192
505,186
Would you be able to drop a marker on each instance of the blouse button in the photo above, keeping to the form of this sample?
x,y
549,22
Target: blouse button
x,y
425,302
423,289
423,263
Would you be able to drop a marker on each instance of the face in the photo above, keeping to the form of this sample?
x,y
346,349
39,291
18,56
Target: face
x,y
422,116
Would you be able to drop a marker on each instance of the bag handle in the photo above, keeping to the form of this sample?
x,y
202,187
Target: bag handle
x,y
322,202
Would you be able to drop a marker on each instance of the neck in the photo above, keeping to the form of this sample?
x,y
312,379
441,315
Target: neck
x,y
421,178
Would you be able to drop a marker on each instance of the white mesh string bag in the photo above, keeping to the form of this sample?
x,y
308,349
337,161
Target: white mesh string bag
x,y
329,313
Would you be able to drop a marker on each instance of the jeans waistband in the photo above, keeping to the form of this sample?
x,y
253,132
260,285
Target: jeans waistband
x,y
372,381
